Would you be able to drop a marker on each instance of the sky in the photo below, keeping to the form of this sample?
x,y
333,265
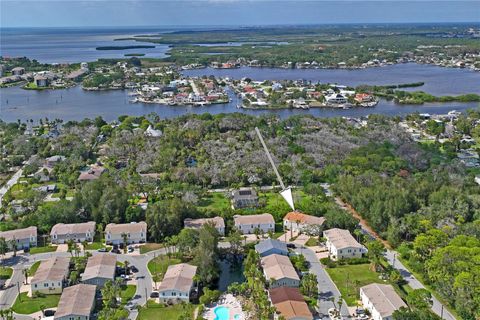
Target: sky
x,y
71,13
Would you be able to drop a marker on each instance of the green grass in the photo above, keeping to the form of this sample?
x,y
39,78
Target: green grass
x,y
127,292
5,273
35,250
313,241
33,269
161,263
155,311
350,278
95,246
147,247
216,202
26,305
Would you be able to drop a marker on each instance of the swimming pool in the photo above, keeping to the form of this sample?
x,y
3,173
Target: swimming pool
x,y
222,313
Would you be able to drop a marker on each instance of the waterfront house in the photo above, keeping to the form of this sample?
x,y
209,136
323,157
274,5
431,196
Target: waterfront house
x,y
248,224
218,222
24,238
100,269
336,98
271,246
244,198
51,276
177,283
18,71
136,232
289,304
300,222
150,132
77,302
380,300
279,271
77,232
342,245
40,81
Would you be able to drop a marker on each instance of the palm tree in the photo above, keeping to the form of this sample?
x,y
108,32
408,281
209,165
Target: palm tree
x,y
340,303
70,245
125,242
84,245
126,263
3,247
13,244
25,274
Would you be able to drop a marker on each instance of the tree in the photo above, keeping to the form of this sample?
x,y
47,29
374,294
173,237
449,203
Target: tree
x,y
309,285
209,296
3,247
187,241
206,255
376,250
70,246
420,300
25,274
125,242
13,245
84,245
126,263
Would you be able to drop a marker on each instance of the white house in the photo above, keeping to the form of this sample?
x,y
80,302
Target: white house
x,y
177,283
342,245
300,222
76,303
51,276
279,271
381,300
77,232
218,222
248,224
136,232
24,238
100,268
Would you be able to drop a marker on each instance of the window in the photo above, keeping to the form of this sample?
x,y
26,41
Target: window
x,y
35,285
45,285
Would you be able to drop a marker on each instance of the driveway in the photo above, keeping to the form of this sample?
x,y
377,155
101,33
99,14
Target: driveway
x,y
326,287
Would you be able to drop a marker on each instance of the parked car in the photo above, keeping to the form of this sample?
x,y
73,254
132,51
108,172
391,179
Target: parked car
x,y
291,245
130,249
154,294
133,269
102,249
115,250
49,313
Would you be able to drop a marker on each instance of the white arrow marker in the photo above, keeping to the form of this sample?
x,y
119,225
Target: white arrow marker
x,y
287,195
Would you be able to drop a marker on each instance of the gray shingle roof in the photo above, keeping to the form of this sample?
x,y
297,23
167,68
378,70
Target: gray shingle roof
x,y
266,245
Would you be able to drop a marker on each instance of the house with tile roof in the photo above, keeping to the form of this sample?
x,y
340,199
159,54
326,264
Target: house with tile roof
x,y
301,222
289,304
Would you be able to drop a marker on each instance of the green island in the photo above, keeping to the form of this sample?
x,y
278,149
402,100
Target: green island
x,y
124,47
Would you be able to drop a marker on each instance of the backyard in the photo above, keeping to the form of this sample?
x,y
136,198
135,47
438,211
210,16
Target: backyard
x,y
127,292
26,305
35,250
147,247
161,312
160,264
5,273
349,279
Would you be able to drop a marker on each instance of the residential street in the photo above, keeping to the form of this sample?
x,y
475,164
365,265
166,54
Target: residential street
x,y
437,307
326,287
13,180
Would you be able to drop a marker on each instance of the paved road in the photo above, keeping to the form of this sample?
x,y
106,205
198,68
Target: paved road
x,y
437,306
326,287
13,180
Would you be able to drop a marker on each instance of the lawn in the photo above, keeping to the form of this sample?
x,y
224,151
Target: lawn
x,y
147,247
5,273
216,202
95,246
161,263
128,292
33,268
350,278
26,305
313,241
35,250
155,311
